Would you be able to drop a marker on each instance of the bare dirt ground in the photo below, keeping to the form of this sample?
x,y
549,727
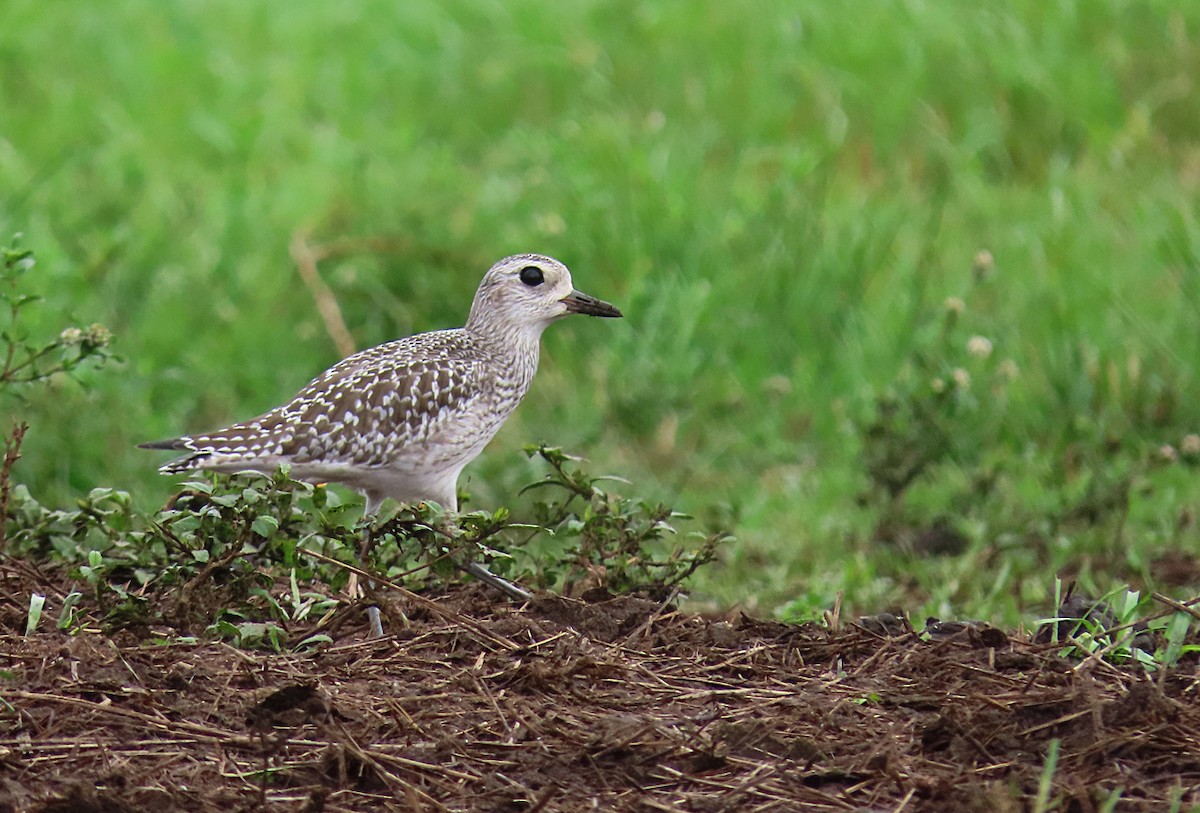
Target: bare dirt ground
x,y
617,704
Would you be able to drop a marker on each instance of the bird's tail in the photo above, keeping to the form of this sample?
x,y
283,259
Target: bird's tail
x,y
179,465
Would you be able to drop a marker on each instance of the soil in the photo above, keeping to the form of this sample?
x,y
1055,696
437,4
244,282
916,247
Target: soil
x,y
613,703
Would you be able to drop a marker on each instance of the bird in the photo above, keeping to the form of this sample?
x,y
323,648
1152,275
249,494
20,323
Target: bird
x,y
403,419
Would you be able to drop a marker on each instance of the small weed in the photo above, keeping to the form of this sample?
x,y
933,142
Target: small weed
x,y
960,482
1121,628
28,361
234,628
609,541
229,553
941,409
1046,780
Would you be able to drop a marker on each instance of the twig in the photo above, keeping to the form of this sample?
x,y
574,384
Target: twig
x,y
904,802
544,798
1177,606
435,608
649,622
12,453
307,256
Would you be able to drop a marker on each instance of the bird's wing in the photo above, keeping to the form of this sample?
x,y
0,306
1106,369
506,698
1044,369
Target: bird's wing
x,y
361,411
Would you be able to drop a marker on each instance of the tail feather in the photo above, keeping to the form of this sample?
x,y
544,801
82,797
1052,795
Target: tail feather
x,y
190,462
238,447
193,460
173,443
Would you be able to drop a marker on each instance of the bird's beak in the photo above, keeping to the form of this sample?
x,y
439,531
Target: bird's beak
x,y
578,302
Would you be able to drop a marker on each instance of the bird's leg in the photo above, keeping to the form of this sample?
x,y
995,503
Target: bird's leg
x,y
479,571
513,591
374,618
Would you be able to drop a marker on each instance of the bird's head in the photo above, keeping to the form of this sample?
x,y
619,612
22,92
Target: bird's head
x,y
528,292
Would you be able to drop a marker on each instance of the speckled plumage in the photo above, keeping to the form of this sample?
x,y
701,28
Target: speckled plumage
x,y
403,419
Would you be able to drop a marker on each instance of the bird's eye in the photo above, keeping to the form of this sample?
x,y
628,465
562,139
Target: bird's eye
x,y
531,275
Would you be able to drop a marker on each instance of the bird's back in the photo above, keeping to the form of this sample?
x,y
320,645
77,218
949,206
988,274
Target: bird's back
x,y
412,404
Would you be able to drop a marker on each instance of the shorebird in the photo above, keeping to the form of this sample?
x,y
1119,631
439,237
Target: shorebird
x,y
403,419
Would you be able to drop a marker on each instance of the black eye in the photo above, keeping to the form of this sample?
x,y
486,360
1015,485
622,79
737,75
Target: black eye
x,y
531,275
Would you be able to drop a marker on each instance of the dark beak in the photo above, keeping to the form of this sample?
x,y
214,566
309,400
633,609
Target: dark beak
x,y
577,302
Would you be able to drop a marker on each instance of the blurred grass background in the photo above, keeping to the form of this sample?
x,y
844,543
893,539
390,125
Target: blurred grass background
x,y
781,197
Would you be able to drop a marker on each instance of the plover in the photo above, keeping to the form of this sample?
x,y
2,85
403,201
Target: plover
x,y
403,419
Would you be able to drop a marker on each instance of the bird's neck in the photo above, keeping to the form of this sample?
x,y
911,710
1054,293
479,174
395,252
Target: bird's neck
x,y
516,346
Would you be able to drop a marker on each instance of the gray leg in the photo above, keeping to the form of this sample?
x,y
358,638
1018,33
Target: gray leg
x,y
450,501
375,618
515,592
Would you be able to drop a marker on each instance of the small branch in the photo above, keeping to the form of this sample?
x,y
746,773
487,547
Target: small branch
x,y
1177,606
306,257
9,354
12,453
442,612
9,375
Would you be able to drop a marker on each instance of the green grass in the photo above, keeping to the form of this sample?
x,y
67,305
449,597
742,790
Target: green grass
x,y
780,196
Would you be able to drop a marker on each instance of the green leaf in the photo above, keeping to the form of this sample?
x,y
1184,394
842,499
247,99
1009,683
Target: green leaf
x,y
313,641
1176,634
264,525
37,602
68,609
185,524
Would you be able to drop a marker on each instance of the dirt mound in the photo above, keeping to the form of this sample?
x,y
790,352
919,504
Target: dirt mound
x,y
617,704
